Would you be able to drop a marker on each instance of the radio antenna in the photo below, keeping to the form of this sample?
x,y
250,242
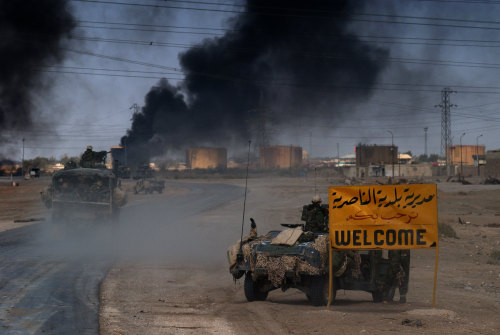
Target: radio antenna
x,y
240,252
315,187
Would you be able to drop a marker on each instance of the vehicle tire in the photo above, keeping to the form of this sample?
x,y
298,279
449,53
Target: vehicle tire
x,y
318,291
378,296
160,191
252,292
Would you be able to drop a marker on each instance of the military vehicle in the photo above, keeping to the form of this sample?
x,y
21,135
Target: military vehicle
x,y
268,264
84,195
35,172
142,172
148,186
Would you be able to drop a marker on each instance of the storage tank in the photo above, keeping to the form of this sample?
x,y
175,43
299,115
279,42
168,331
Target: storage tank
x,y
206,158
280,156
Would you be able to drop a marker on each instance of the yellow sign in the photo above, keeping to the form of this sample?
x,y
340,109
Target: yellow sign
x,y
383,216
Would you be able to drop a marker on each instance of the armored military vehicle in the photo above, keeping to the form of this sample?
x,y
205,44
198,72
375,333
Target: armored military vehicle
x,y
83,195
279,259
148,186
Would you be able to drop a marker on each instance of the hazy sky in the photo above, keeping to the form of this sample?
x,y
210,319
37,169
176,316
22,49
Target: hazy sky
x,y
118,52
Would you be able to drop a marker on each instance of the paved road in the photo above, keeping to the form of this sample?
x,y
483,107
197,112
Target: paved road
x,y
50,286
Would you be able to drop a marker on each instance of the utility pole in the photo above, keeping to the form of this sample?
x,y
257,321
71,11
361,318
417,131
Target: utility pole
x,y
392,150
310,148
461,162
22,164
338,154
477,154
446,123
425,140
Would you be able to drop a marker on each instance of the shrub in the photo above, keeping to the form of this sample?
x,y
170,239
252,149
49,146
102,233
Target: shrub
x,y
446,230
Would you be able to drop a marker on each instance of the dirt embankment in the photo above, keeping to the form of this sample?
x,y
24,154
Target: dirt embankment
x,y
19,205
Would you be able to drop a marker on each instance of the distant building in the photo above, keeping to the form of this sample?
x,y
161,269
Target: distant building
x,y
492,167
404,159
206,158
280,157
367,155
464,154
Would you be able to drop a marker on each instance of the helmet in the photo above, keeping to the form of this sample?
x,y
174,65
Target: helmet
x,y
316,198
89,147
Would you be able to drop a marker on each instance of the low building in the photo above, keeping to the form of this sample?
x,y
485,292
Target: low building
x,y
404,159
492,167
464,154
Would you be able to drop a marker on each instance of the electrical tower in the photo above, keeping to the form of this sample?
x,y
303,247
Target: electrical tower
x,y
135,108
446,123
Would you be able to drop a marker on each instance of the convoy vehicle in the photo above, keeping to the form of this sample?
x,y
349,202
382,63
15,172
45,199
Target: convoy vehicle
x,y
84,195
148,186
79,196
305,266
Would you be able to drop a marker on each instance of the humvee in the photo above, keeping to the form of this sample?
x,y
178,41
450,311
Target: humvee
x,y
305,266
83,196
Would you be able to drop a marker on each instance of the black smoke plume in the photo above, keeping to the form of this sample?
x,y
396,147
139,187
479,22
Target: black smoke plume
x,y
32,33
280,60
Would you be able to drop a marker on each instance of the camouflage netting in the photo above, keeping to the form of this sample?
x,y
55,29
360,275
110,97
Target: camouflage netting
x,y
277,266
248,247
321,244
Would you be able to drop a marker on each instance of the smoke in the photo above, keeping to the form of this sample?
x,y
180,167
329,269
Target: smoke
x,y
279,61
32,36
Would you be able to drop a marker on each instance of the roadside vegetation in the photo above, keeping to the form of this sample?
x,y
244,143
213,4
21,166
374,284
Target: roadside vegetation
x,y
445,230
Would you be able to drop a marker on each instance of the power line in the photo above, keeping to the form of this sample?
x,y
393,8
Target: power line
x,y
321,16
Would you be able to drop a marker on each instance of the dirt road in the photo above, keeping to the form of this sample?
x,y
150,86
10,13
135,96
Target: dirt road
x,y
193,293
170,276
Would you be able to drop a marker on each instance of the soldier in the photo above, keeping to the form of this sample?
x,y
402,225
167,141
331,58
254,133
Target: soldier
x,y
87,157
315,216
399,272
93,159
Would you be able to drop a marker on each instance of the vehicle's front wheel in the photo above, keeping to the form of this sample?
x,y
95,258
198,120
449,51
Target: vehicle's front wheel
x,y
378,296
318,291
252,292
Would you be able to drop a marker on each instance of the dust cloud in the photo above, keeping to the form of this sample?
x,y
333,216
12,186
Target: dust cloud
x,y
173,230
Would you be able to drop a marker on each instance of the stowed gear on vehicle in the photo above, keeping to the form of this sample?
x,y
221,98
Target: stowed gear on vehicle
x,y
299,258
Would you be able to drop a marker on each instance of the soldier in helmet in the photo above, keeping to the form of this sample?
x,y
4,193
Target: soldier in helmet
x,y
315,216
87,157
